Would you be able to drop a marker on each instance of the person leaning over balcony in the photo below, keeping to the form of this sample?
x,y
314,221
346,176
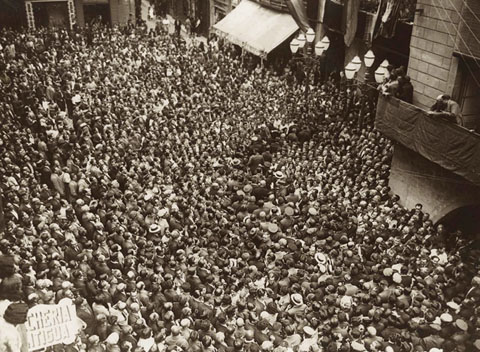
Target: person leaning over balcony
x,y
453,109
391,88
405,90
446,107
438,106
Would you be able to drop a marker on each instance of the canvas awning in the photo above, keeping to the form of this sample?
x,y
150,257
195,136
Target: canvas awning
x,y
255,28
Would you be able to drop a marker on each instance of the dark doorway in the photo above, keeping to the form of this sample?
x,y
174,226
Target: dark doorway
x,y
203,13
467,220
51,14
12,14
97,14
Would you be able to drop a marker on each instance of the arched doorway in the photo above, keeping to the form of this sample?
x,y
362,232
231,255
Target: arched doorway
x,y
466,219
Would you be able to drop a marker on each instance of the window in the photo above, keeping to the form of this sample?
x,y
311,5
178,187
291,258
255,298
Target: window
x,y
467,91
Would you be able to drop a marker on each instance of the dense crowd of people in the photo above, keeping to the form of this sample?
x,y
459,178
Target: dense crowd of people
x,y
187,201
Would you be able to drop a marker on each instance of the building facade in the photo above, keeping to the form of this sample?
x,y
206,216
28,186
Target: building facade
x,y
67,13
436,162
445,54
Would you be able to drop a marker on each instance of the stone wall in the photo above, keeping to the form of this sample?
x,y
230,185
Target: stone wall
x,y
432,67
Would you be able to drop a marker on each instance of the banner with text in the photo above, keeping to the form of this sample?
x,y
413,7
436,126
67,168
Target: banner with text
x,y
49,325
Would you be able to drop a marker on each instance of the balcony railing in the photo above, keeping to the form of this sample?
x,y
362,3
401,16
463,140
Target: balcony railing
x,y
449,145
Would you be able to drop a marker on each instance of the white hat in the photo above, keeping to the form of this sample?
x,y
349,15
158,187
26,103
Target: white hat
x,y
32,296
267,345
154,228
320,258
66,285
388,272
461,324
357,346
278,174
453,305
113,338
297,299
447,318
323,268
273,228
397,278
308,330
185,323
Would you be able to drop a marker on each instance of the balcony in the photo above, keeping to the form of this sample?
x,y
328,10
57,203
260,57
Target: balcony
x,y
407,10
278,5
451,146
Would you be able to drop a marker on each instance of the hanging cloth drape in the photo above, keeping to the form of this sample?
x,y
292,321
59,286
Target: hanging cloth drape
x,y
390,14
320,30
350,20
382,5
332,17
371,22
299,14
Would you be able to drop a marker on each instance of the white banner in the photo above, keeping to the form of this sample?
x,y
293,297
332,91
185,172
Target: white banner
x,y
51,324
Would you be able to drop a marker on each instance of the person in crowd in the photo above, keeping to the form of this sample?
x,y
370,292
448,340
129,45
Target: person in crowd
x,y
185,200
178,26
189,25
12,330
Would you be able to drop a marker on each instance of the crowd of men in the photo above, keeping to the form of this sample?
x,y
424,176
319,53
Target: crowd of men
x,y
186,201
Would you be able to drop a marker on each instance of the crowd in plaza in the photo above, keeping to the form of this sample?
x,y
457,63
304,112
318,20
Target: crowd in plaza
x,y
187,201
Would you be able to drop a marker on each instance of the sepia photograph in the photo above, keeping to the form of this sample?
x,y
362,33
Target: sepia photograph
x,y
239,175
